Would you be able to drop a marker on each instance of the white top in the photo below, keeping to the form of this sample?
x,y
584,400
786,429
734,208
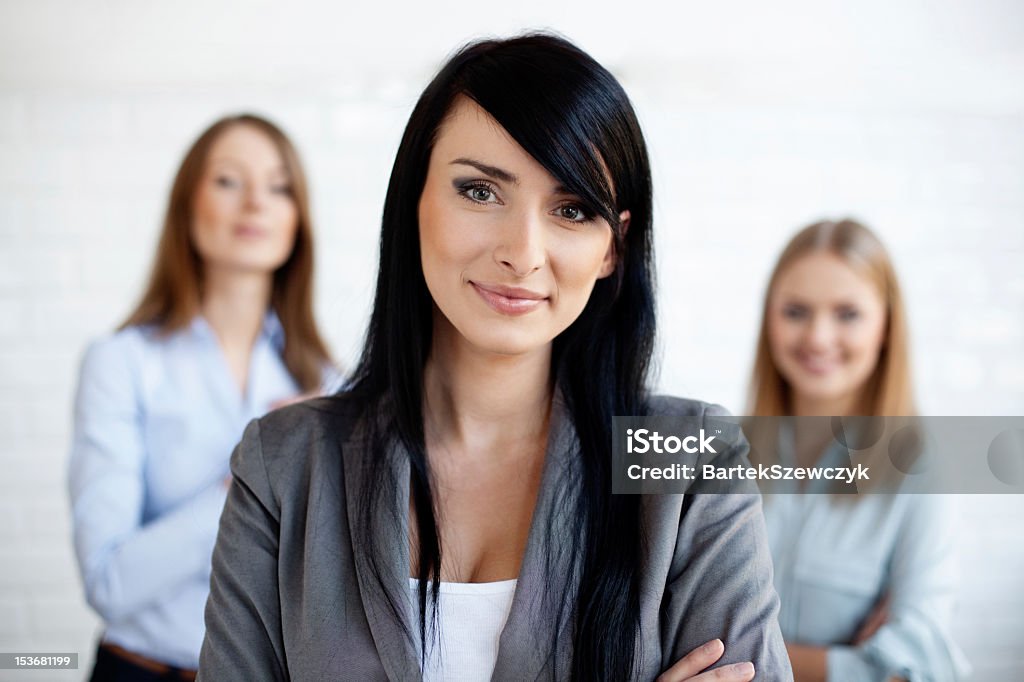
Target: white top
x,y
470,618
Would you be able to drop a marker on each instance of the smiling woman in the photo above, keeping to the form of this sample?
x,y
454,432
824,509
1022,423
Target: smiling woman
x,y
224,332
866,580
450,515
488,225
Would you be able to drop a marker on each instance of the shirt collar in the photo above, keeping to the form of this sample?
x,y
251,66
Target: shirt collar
x,y
271,330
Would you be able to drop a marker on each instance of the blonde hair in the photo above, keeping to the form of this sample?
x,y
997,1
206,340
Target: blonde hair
x,y
173,295
888,391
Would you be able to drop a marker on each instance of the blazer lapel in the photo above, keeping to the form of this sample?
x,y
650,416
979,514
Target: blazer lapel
x,y
390,628
547,578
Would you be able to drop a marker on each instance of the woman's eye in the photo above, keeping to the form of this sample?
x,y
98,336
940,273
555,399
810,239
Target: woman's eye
x,y
479,194
225,181
285,190
573,213
794,312
848,314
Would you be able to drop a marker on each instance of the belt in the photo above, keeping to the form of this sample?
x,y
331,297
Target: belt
x,y
167,671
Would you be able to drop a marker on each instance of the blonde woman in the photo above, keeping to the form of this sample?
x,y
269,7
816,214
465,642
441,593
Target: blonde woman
x,y
866,581
223,333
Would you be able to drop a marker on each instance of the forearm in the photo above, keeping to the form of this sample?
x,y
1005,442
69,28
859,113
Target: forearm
x,y
810,663
124,569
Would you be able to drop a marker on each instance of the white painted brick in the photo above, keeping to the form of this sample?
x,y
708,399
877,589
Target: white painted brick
x,y
60,215
120,168
1007,266
49,519
30,472
76,118
42,165
13,115
30,369
350,121
12,518
116,270
31,268
58,614
991,327
13,419
174,116
22,454
983,670
396,92
13,616
46,318
13,317
36,566
14,220
304,122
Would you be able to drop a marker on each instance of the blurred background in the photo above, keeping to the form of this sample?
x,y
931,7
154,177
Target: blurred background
x,y
760,117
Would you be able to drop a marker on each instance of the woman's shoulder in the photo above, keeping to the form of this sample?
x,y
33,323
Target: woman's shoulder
x,y
116,355
124,345
119,341
675,406
312,427
297,447
336,413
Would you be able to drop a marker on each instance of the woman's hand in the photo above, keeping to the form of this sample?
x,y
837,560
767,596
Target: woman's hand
x,y
878,617
690,666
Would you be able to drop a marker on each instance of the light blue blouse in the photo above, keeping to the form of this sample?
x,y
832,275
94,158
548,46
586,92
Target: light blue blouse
x,y
835,558
156,420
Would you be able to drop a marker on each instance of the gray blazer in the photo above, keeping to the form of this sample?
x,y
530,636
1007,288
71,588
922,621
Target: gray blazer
x,y
292,597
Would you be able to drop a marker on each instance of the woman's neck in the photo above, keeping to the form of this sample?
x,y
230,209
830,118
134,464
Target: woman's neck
x,y
812,436
841,406
478,402
234,305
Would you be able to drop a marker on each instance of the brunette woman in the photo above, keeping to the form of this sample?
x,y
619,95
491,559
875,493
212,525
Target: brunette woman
x,y
450,515
224,332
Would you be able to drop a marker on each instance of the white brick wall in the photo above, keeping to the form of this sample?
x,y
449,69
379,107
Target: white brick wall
x,y
922,138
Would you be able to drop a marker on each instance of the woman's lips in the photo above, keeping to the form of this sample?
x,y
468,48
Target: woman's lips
x,y
816,365
509,300
249,231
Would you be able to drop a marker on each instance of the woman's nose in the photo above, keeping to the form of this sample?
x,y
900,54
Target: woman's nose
x,y
521,250
819,332
255,197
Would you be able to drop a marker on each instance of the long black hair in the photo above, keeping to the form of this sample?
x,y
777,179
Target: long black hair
x,y
572,116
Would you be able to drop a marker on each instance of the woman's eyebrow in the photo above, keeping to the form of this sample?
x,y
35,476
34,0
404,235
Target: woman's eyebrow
x,y
492,171
238,164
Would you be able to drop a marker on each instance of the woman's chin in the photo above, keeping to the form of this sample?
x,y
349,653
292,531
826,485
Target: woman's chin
x,y
507,343
248,265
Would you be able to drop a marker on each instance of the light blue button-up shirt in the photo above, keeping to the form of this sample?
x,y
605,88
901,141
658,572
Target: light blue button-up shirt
x,y
156,420
835,557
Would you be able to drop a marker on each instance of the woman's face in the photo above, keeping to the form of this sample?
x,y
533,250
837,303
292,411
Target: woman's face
x,y
826,326
244,216
509,256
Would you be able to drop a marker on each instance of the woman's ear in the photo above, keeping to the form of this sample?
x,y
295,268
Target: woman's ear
x,y
624,221
610,257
